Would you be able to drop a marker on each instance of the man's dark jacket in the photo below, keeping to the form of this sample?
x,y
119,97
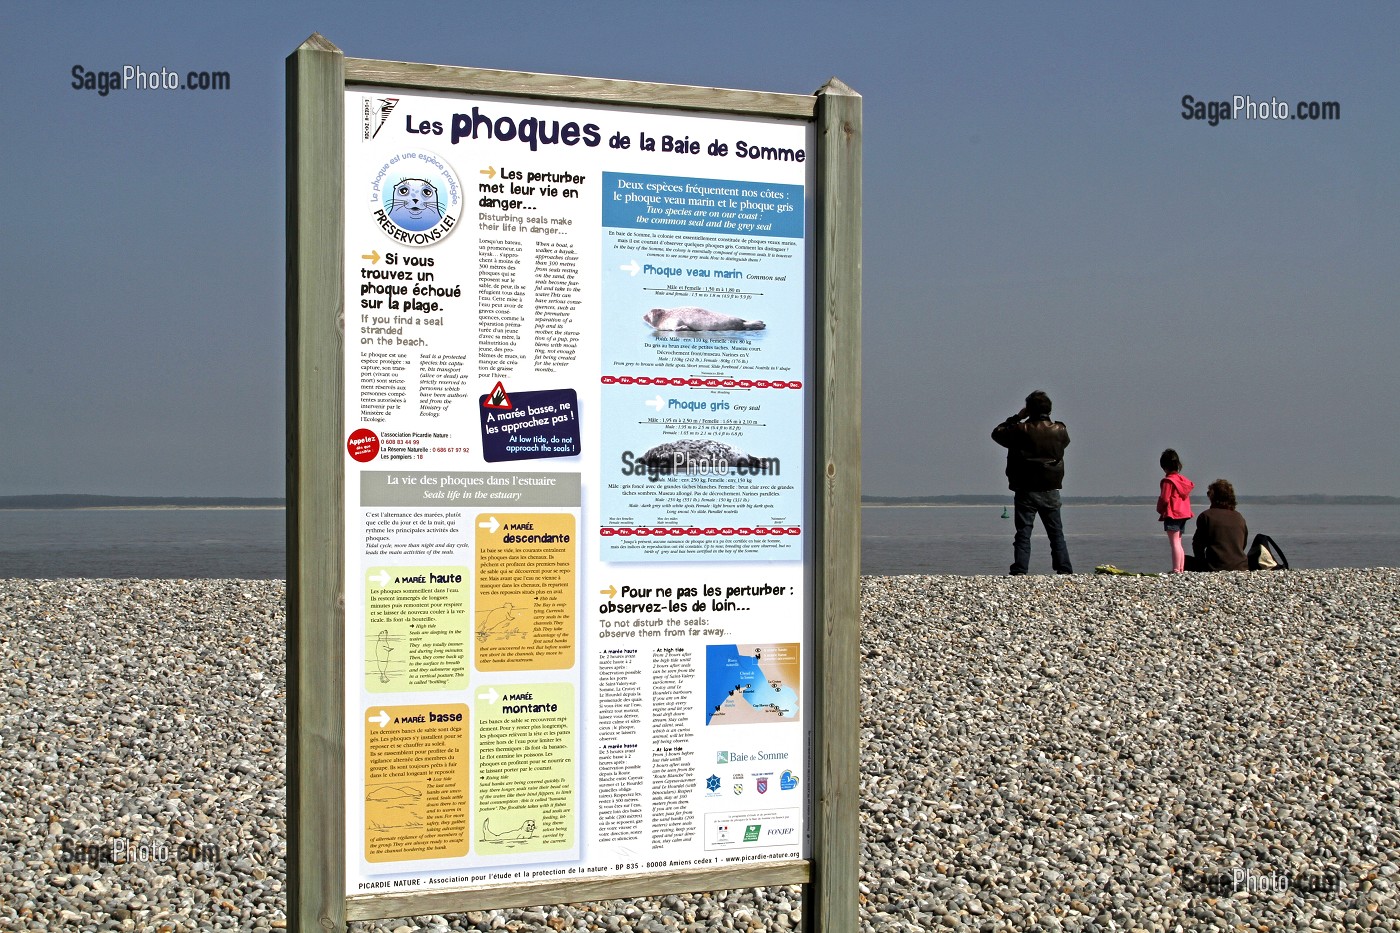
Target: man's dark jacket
x,y
1035,452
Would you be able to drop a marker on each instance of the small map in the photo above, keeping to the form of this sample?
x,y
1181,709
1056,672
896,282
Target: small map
x,y
752,683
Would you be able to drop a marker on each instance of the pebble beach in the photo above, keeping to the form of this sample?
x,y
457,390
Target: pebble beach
x,y
1037,753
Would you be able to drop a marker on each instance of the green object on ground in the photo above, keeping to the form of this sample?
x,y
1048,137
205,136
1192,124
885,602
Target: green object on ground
x,y
1118,571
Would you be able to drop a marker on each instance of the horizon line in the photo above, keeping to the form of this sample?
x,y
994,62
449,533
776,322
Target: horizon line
x,y
100,500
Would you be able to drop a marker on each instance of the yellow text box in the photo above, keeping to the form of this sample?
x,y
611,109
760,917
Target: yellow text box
x,y
417,788
526,749
526,591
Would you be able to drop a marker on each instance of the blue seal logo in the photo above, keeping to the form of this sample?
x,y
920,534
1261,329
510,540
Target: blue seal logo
x,y
416,198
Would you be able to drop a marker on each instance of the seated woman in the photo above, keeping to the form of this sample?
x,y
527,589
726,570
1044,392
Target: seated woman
x,y
1221,533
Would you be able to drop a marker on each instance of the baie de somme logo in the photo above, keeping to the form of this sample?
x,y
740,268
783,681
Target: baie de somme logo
x,y
416,198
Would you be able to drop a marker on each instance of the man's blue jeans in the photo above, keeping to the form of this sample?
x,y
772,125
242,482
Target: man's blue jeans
x,y
1047,505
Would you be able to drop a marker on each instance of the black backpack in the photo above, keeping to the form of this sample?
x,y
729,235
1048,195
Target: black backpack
x,y
1265,554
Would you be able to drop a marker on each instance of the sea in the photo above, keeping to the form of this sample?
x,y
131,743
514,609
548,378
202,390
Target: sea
x,y
976,539
249,543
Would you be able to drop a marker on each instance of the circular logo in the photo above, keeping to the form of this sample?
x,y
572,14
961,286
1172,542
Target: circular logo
x,y
363,445
416,198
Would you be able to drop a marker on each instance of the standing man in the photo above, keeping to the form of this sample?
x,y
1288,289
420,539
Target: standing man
x,y
1035,470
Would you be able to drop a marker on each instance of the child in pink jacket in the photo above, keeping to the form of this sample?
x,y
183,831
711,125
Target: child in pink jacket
x,y
1174,506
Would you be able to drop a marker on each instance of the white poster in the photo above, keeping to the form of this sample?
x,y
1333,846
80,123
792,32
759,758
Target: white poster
x,y
576,348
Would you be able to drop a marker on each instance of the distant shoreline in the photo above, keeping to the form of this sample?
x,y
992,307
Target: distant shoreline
x,y
73,501
142,508
92,502
908,502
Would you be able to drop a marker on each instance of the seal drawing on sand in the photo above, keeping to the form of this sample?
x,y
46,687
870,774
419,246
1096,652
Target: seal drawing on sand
x,y
697,319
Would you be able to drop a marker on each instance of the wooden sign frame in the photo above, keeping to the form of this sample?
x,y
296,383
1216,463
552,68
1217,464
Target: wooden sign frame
x,y
317,77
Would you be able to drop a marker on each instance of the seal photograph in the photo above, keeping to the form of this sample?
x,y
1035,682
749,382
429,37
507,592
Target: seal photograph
x,y
697,319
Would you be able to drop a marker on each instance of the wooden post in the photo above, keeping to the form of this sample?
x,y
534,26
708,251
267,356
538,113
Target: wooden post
x,y
315,523
832,895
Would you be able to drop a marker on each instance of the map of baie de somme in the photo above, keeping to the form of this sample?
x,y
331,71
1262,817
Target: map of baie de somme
x,y
752,683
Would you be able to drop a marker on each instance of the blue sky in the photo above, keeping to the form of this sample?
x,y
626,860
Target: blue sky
x,y
1038,214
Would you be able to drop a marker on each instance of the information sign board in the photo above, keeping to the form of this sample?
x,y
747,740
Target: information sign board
x,y
575,536
575,409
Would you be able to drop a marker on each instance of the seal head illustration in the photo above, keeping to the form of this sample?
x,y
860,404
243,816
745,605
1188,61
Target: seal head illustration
x,y
414,204
697,319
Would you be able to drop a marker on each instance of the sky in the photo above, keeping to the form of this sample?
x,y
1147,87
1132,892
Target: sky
x,y
1038,214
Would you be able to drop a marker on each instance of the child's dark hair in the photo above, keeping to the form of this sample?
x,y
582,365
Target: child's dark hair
x,y
1170,461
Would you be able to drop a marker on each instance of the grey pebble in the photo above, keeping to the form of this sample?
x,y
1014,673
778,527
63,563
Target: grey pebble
x,y
1052,753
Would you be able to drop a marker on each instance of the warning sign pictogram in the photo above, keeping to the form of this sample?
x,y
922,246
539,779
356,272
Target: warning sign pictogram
x,y
497,398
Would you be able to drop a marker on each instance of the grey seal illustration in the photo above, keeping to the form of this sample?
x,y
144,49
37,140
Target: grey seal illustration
x,y
697,319
701,455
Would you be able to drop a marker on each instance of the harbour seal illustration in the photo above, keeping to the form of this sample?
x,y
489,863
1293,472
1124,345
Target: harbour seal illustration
x,y
697,319
414,204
